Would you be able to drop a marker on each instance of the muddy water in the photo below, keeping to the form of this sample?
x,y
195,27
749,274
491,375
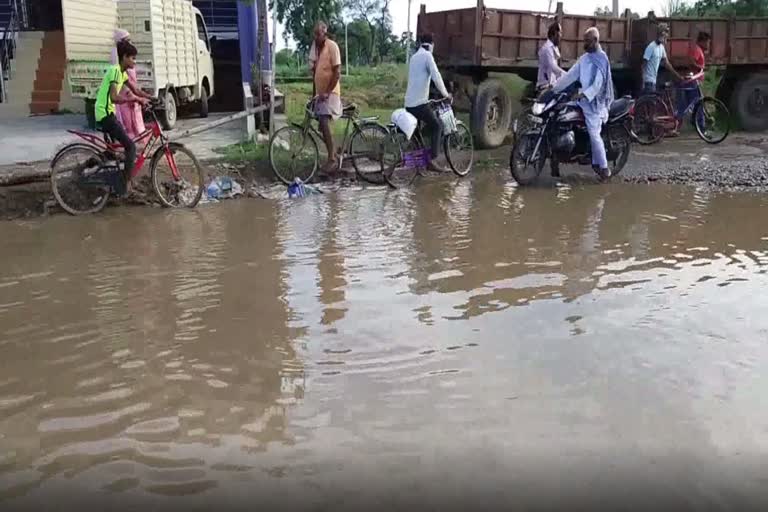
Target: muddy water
x,y
460,341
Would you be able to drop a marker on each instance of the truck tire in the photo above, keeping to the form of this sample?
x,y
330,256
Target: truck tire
x,y
491,114
750,102
169,114
203,102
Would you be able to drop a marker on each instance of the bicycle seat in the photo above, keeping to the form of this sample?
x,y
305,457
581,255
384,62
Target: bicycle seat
x,y
349,110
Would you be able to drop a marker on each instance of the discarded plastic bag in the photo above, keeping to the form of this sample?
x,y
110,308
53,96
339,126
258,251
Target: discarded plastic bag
x,y
223,187
299,189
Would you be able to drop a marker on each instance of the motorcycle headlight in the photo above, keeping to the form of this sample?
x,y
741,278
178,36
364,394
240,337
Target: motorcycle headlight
x,y
537,109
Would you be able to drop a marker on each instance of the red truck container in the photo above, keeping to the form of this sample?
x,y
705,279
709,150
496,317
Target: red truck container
x,y
470,44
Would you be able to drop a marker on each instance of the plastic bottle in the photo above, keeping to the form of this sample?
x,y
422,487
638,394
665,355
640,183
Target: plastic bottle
x,y
296,189
213,191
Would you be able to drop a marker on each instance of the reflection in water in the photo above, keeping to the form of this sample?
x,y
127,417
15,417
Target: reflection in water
x,y
298,349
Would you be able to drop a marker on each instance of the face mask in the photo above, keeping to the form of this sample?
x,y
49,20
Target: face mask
x,y
428,46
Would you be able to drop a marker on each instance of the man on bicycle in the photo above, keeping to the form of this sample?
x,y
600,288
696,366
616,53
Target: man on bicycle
x,y
421,72
325,64
690,92
655,55
109,95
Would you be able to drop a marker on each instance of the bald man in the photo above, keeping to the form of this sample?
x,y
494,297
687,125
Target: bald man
x,y
593,72
325,64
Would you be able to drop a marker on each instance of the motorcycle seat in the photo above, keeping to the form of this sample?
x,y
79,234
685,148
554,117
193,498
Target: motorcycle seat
x,y
620,107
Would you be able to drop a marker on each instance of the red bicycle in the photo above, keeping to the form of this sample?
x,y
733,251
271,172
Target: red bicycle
x,y
85,174
656,114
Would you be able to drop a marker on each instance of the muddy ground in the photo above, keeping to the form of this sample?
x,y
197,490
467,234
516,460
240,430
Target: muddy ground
x,y
738,163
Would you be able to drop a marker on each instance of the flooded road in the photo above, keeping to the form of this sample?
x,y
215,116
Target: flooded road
x,y
461,342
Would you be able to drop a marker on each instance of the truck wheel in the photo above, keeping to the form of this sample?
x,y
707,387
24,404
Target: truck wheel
x,y
203,102
750,102
491,114
168,115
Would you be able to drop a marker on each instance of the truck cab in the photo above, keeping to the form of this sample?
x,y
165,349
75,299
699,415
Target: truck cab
x,y
204,63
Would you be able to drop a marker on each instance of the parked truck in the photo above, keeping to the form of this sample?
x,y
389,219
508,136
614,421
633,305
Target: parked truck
x,y
474,44
174,61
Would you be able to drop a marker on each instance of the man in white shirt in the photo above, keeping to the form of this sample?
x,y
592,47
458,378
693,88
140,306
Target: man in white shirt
x,y
421,72
549,56
593,72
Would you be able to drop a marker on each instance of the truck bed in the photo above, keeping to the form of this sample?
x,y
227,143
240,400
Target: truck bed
x,y
509,40
736,41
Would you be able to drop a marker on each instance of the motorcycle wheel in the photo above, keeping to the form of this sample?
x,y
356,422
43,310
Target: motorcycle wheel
x,y
621,159
523,171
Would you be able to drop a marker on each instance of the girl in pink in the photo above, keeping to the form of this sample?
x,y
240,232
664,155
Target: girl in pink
x,y
130,113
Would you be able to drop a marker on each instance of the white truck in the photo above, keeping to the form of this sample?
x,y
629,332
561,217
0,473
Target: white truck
x,y
174,61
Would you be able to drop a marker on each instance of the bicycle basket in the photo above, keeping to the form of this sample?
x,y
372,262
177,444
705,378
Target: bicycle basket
x,y
447,118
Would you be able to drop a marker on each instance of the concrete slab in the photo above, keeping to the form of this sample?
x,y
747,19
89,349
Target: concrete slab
x,y
35,139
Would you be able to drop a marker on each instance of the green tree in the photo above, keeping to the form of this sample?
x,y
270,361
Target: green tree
x,y
285,57
365,11
300,16
724,8
359,36
384,29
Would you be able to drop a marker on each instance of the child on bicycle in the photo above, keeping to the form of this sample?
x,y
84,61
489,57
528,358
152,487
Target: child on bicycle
x,y
109,95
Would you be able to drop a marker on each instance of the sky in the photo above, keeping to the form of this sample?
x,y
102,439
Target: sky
x,y
399,9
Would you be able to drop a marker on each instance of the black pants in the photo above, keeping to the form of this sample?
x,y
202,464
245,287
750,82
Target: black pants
x,y
112,127
426,115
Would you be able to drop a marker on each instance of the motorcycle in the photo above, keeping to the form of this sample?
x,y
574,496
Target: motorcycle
x,y
557,131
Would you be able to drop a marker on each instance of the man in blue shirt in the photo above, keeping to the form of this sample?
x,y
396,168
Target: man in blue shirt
x,y
655,55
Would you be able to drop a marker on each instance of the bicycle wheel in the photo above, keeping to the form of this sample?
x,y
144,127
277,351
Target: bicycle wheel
x,y
366,150
399,171
459,150
646,127
293,154
524,170
69,170
712,120
182,189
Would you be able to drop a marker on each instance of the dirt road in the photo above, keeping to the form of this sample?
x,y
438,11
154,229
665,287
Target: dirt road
x,y
739,162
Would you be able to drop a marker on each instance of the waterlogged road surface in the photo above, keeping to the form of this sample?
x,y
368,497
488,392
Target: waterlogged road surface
x,y
462,342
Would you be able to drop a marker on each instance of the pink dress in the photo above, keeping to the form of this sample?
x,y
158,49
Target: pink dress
x,y
130,113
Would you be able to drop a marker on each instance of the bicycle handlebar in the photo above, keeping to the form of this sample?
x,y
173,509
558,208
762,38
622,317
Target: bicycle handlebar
x,y
441,100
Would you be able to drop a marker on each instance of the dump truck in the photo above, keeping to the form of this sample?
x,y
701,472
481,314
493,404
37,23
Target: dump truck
x,y
474,45
174,61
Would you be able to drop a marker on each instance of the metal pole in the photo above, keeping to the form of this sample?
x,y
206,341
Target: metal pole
x,y
408,43
274,73
3,95
346,45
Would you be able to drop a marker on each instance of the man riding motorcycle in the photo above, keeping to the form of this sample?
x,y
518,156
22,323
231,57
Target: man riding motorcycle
x,y
593,72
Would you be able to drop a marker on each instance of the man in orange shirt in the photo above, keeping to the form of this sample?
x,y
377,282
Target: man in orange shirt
x,y
325,64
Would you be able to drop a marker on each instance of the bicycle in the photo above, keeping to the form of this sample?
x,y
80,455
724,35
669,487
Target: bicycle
x,y
293,150
85,174
655,114
405,158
